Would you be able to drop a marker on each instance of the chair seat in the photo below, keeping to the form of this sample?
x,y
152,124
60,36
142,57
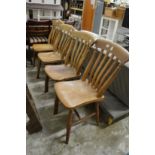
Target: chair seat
x,y
61,72
75,93
42,47
50,57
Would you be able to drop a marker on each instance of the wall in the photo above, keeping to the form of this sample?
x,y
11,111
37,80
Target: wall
x,y
45,1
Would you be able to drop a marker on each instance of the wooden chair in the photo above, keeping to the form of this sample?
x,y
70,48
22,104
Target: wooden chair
x,y
60,40
49,46
73,57
102,68
37,32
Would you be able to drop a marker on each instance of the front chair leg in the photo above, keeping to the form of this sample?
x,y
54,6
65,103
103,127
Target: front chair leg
x,y
69,124
38,68
56,105
97,113
46,83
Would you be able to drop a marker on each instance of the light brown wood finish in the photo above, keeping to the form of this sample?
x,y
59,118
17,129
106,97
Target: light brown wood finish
x,y
50,46
75,55
101,70
60,35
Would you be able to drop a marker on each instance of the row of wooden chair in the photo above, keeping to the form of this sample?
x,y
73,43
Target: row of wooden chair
x,y
67,53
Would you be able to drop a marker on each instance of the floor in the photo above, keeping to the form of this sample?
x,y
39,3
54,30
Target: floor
x,y
85,139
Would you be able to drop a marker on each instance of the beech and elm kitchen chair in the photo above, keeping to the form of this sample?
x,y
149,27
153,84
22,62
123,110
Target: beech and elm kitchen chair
x,y
73,60
101,69
60,37
49,45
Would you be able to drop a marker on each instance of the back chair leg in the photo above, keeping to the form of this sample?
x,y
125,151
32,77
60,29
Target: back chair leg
x,y
97,113
34,58
77,114
38,68
69,124
46,83
56,105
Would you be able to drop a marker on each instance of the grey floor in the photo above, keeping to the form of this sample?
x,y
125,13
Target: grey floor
x,y
85,139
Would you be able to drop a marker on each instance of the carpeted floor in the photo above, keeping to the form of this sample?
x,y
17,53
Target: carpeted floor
x,y
85,139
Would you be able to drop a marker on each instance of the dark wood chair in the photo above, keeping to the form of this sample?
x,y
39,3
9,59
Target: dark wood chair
x,y
37,32
102,68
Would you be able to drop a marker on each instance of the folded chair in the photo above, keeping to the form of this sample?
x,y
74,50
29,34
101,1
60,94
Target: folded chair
x,y
49,46
60,38
102,68
73,60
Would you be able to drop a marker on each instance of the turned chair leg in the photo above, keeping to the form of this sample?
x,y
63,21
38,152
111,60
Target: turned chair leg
x,y
97,113
46,83
56,105
38,68
69,124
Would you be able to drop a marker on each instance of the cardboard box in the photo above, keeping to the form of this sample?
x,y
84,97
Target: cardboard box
x,y
120,12
114,12
110,12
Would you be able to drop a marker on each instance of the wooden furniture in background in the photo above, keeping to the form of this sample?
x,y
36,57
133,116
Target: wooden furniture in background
x,y
88,15
37,32
76,7
34,124
92,12
100,71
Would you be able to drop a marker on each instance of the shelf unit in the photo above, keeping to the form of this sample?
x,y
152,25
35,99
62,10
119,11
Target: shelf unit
x,y
76,9
76,6
108,27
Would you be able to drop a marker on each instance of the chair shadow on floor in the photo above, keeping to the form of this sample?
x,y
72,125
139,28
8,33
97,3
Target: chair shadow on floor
x,y
57,123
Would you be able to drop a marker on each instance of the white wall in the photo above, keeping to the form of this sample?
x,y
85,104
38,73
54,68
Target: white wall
x,y
35,1
49,1
45,1
35,14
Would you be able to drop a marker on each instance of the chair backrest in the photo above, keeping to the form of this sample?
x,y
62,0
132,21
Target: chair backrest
x,y
85,35
55,24
78,49
96,36
104,65
66,27
104,43
60,35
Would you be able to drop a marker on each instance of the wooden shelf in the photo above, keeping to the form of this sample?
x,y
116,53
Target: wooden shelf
x,y
77,9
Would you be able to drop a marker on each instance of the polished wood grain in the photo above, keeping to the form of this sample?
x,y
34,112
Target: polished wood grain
x,y
102,68
60,36
74,54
